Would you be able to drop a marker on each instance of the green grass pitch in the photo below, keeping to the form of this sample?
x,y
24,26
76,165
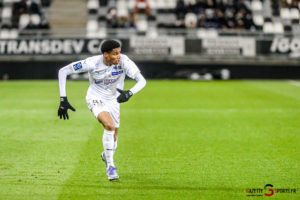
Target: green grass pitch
x,y
177,140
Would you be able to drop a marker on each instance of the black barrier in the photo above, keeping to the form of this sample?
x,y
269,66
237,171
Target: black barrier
x,y
155,70
288,47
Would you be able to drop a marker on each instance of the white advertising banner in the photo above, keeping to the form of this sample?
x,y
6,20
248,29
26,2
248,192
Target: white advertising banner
x,y
243,46
173,45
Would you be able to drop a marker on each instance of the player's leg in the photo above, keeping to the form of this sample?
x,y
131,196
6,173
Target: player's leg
x,y
108,144
102,112
103,156
108,136
106,120
114,111
116,139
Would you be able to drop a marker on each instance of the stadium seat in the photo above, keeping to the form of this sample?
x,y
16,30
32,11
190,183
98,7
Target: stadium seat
x,y
97,33
131,4
296,29
289,2
187,2
122,10
35,19
267,12
268,27
278,27
7,2
102,11
294,13
256,5
14,33
102,27
4,34
207,33
93,4
142,24
111,3
166,19
6,12
24,21
285,13
102,33
258,20
152,4
152,32
92,26
9,34
167,5
160,4
172,4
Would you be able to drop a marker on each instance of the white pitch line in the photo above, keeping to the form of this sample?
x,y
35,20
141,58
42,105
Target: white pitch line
x,y
295,83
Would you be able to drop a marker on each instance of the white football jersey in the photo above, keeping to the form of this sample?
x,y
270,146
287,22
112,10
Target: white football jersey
x,y
105,79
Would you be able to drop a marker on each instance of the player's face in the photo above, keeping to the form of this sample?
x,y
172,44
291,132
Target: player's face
x,y
114,56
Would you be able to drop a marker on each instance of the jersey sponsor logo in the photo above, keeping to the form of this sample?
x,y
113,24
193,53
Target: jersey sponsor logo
x,y
77,66
105,82
98,82
109,81
117,72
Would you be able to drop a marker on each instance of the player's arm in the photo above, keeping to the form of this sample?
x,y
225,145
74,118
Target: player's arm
x,y
126,94
76,67
133,72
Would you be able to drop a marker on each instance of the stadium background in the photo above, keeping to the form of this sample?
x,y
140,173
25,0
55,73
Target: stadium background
x,y
179,139
168,39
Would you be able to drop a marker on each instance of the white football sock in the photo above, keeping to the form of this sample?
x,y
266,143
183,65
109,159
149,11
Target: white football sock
x,y
115,145
108,145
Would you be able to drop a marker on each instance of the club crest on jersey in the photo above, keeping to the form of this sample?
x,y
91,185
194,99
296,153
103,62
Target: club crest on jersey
x,y
116,70
77,66
117,67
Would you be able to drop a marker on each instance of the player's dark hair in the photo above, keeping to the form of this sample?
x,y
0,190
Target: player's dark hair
x,y
108,45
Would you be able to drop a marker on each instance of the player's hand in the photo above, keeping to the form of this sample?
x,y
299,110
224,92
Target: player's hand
x,y
124,95
63,108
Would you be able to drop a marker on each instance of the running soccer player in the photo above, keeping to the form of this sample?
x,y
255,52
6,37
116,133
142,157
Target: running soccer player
x,y
105,93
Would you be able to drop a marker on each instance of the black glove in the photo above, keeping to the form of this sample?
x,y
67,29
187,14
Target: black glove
x,y
124,95
63,108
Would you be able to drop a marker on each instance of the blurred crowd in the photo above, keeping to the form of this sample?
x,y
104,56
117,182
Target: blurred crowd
x,y
291,3
218,14
120,21
127,19
29,14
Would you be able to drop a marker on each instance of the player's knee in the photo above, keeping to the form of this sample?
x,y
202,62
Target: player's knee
x,y
109,126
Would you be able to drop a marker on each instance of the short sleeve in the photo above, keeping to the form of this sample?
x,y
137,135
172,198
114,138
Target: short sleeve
x,y
83,65
130,67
